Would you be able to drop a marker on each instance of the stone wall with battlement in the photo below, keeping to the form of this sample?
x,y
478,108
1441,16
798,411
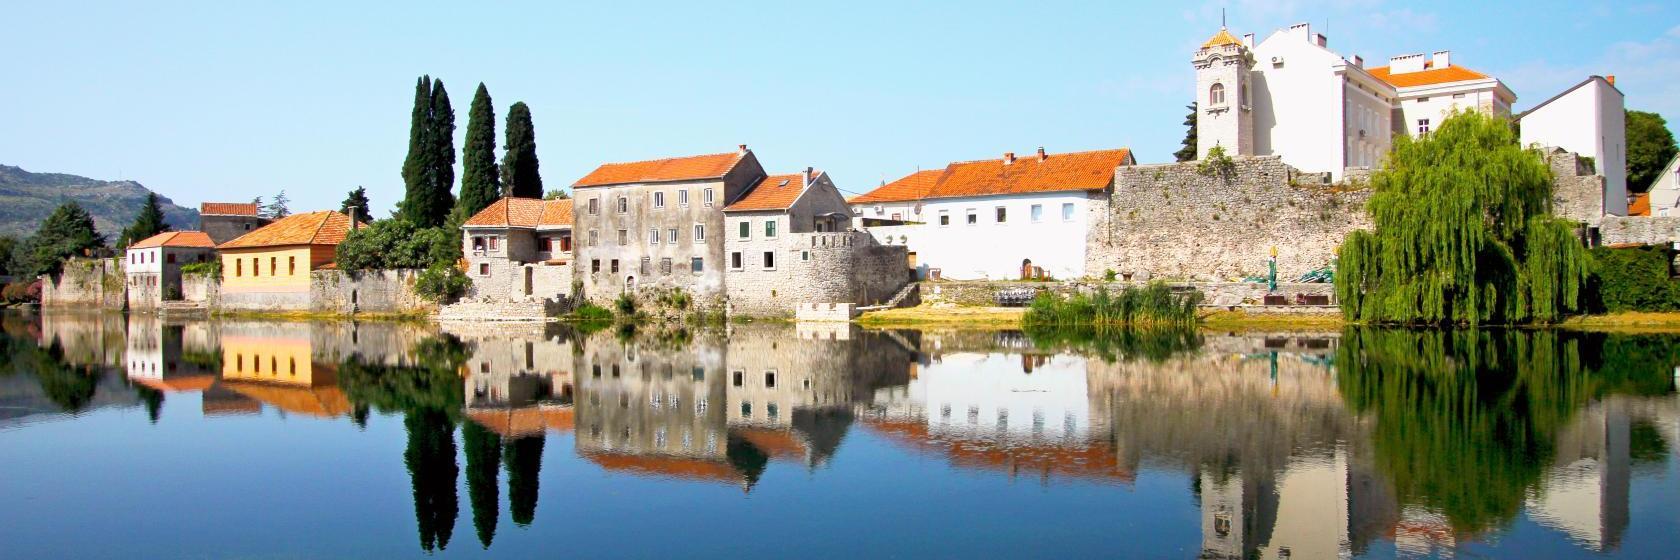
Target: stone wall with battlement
x,y
1171,222
826,267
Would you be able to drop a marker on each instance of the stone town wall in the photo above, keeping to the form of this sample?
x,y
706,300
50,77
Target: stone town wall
x,y
984,293
848,267
1168,221
1577,193
501,280
1644,230
369,291
86,283
204,288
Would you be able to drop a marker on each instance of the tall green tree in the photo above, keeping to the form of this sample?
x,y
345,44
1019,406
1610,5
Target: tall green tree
x,y
429,169
481,182
278,209
1650,146
147,223
356,205
1188,151
519,165
68,232
1463,234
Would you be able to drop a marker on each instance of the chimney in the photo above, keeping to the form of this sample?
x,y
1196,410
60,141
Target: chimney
x,y
1321,41
1442,59
743,148
807,183
1358,61
1041,155
1611,78
1008,158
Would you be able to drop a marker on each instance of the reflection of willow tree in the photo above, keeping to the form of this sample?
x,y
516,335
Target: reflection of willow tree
x,y
1117,345
1465,421
484,459
524,462
430,397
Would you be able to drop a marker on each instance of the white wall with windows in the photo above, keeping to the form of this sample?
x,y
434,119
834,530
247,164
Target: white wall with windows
x,y
990,237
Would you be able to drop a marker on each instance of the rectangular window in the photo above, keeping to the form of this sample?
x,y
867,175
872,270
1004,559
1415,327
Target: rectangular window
x,y
697,264
623,237
944,218
255,270
623,204
682,198
1067,211
594,238
699,233
1002,215
769,380
737,377
746,229
671,236
665,266
169,258
1423,126
614,265
735,260
769,260
647,266
595,206
1458,96
653,236
495,242
658,199
770,228
973,217
238,267
1038,212
594,265
1423,100
484,269
804,255
291,266
566,243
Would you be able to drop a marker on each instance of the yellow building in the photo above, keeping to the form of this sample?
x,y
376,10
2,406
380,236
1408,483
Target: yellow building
x,y
269,267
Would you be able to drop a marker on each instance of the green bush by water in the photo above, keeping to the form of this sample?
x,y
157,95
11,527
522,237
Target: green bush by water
x,y
1634,279
1152,305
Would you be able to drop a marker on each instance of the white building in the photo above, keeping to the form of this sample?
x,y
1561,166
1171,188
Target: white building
x,y
153,265
1587,119
1004,218
1293,97
1664,197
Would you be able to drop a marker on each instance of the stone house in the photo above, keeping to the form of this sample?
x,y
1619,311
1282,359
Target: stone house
x,y
519,249
153,265
1004,218
269,268
620,208
1587,119
223,221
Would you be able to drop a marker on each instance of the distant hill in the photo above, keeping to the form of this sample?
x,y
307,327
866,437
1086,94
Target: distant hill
x,y
27,198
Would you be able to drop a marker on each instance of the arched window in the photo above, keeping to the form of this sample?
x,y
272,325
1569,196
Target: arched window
x,y
1216,95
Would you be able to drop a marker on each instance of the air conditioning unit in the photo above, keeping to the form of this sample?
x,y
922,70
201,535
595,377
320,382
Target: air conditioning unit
x,y
1277,61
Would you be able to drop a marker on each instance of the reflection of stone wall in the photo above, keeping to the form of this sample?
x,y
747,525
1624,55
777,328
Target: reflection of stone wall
x,y
642,398
984,293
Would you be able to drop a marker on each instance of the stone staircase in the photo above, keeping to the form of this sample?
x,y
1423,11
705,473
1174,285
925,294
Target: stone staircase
x,y
908,296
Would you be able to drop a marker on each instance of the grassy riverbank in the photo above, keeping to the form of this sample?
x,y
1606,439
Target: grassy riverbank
x,y
1010,318
1626,321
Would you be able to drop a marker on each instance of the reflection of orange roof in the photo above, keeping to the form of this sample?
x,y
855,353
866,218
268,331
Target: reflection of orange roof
x,y
311,228
1427,77
520,422
776,192
176,239
230,407
666,466
1641,205
1082,460
712,166
914,186
1078,171
183,384
324,402
780,444
228,209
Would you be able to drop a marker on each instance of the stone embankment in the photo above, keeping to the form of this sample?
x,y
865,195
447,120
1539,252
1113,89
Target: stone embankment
x,y
520,312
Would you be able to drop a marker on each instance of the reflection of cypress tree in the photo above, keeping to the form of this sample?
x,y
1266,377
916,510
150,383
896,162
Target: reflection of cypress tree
x,y
432,472
484,459
524,463
153,399
746,458
359,415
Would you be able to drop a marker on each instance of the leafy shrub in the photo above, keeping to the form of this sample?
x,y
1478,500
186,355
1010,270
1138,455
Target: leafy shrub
x,y
626,304
441,283
589,312
1153,305
1634,279
212,267
20,292
1109,275
396,243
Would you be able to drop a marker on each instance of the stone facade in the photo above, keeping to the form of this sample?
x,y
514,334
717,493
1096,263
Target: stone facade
x,y
515,270
1168,221
1643,230
369,291
1577,192
849,267
223,228
85,283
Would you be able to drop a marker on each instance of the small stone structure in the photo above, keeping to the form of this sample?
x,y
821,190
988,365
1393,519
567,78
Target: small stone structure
x,y
829,312
1170,221
815,267
369,291
1577,192
85,283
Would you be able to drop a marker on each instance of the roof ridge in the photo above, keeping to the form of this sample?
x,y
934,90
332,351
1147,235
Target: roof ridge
x,y
651,160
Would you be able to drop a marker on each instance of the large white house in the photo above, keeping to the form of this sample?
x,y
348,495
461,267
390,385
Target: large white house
x,y
1004,218
1292,97
1587,119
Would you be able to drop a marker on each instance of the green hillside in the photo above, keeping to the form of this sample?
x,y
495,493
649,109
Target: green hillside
x,y
27,198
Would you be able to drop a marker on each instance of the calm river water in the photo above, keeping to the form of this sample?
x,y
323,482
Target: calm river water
x,y
133,438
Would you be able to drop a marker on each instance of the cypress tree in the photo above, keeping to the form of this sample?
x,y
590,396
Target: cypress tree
x,y
519,166
147,223
443,148
481,181
1464,234
429,169
415,187
1188,152
356,205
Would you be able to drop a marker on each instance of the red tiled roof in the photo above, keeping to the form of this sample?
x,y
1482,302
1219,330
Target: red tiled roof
x,y
914,186
659,170
1427,76
523,213
325,227
556,212
1077,171
175,239
228,209
776,192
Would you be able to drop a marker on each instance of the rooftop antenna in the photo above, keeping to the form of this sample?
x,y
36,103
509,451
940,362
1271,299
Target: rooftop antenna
x,y
1222,18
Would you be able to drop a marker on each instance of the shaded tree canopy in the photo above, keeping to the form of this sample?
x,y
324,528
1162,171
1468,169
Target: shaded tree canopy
x,y
356,205
1650,146
1188,150
524,464
519,165
67,232
147,223
481,182
1463,234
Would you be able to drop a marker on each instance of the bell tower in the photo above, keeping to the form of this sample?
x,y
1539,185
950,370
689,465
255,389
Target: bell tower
x,y
1224,115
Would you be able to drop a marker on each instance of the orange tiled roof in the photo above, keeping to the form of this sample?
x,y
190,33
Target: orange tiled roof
x,y
776,192
1221,39
780,444
556,212
1427,76
1641,205
325,227
523,213
670,169
1078,171
914,186
175,239
228,209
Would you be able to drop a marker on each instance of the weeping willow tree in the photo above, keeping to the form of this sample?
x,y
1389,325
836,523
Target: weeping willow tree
x,y
1463,235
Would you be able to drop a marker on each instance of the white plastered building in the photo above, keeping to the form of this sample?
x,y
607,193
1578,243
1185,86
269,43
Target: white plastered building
x,y
1588,119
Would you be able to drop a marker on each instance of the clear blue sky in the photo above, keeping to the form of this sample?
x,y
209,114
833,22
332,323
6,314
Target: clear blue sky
x,y
229,100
